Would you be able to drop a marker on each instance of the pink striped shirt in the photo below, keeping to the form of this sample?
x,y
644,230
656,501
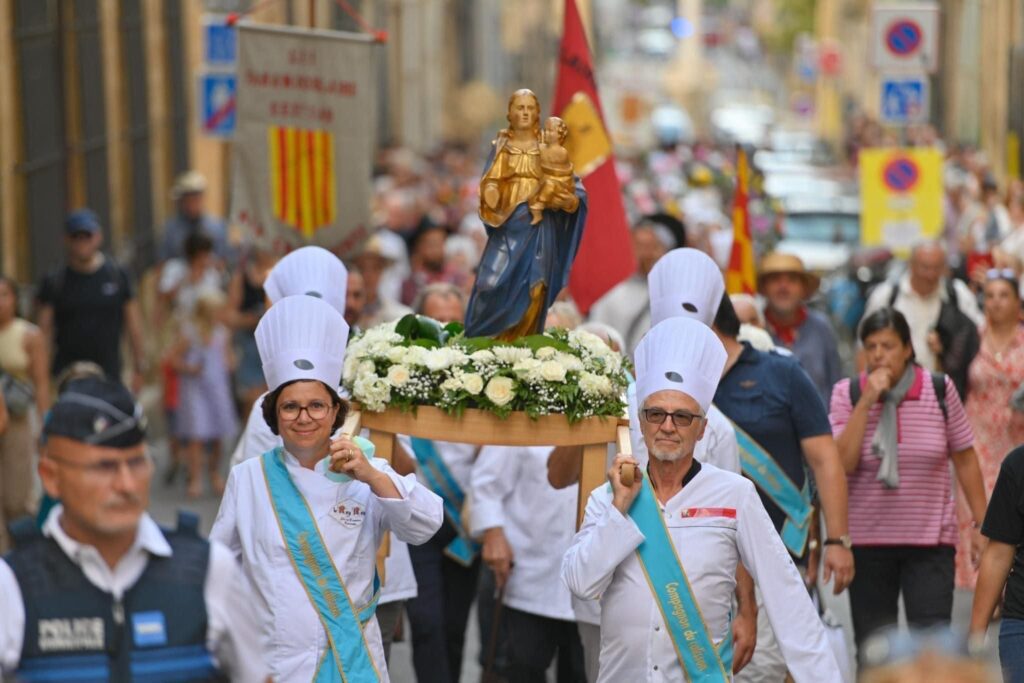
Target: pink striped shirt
x,y
921,511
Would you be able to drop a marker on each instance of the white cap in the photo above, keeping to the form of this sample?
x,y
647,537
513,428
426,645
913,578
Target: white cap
x,y
679,354
685,282
312,271
302,338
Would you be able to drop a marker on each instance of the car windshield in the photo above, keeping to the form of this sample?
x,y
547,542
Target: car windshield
x,y
823,227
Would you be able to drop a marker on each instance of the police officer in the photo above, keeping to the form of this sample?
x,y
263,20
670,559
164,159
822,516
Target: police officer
x,y
102,593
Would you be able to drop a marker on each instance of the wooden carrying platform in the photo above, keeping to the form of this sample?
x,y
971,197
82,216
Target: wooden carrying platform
x,y
483,428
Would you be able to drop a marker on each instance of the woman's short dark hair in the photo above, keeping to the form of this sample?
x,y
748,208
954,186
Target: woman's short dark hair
x,y
726,320
271,399
886,319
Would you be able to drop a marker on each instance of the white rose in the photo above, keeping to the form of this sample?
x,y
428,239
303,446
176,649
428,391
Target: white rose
x,y
500,391
397,354
472,383
546,352
552,371
438,359
398,375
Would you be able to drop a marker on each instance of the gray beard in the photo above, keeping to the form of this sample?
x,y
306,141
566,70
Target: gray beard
x,y
667,457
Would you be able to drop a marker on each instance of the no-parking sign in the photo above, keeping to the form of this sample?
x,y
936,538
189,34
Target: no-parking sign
x,y
901,196
906,37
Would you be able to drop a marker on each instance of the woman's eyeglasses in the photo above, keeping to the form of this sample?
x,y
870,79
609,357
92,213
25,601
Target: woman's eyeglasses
x,y
317,410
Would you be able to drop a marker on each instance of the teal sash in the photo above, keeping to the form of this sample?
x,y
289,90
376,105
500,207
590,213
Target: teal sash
x,y
701,660
761,468
463,549
348,657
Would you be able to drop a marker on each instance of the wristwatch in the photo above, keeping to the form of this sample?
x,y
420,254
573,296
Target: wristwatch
x,y
844,541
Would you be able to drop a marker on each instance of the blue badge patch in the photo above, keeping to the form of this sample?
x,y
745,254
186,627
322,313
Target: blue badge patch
x,y
149,629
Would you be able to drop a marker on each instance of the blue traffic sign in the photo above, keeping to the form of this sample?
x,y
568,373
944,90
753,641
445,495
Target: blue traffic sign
x,y
903,37
217,103
220,43
904,99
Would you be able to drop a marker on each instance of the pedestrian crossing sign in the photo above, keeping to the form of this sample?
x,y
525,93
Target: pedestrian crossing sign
x,y
904,100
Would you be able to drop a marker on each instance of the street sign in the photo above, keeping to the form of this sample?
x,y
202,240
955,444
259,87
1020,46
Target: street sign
x,y
906,37
220,41
901,196
901,174
905,100
217,92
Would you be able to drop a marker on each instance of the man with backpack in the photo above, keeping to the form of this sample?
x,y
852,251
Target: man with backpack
x,y
87,303
942,313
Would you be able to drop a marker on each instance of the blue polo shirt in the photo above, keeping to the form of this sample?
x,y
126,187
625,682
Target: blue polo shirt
x,y
772,399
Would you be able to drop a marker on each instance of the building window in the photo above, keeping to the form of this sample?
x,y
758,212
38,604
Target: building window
x,y
93,143
178,105
134,60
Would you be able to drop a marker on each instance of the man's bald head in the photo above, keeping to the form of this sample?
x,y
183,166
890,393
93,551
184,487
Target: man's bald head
x,y
927,266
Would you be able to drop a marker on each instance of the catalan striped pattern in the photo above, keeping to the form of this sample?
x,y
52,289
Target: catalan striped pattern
x,y
302,177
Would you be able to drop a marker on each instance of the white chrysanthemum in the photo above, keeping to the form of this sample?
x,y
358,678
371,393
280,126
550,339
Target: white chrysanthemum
x,y
500,391
528,368
570,362
546,353
366,367
483,357
472,383
552,371
397,354
373,393
398,375
451,384
511,354
595,385
416,355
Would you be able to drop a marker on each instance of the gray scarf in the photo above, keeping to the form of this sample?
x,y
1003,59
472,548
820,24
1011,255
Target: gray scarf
x,y
885,443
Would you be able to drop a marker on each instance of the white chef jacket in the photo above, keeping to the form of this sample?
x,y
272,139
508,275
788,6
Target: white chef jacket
x,y
292,636
257,439
231,634
511,490
718,447
635,644
458,457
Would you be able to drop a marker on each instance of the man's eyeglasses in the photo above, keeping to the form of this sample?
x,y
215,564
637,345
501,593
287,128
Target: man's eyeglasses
x,y
108,468
680,418
317,410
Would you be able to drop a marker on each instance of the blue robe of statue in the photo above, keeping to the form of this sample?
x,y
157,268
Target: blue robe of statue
x,y
520,258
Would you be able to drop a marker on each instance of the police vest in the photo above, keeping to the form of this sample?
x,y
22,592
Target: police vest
x,y
76,632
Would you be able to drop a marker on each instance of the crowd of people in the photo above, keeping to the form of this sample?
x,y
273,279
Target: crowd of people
x,y
894,479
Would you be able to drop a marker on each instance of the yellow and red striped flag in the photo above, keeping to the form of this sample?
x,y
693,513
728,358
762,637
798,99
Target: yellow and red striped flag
x,y
302,183
740,277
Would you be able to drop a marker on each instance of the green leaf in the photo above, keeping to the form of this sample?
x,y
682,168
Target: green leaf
x,y
474,344
430,329
454,328
540,341
408,327
425,343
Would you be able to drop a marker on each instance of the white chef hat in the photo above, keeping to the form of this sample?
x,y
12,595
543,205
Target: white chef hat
x,y
312,271
685,282
302,338
680,354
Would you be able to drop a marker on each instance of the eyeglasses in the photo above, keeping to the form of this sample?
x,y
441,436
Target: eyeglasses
x,y
108,468
1000,274
656,416
317,410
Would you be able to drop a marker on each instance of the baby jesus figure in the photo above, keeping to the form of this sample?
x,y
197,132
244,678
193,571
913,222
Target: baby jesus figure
x,y
558,189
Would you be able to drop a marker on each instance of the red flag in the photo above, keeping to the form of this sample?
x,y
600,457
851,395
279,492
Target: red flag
x,y
740,277
605,256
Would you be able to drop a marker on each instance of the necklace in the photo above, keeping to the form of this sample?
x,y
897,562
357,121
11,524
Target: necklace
x,y
997,349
